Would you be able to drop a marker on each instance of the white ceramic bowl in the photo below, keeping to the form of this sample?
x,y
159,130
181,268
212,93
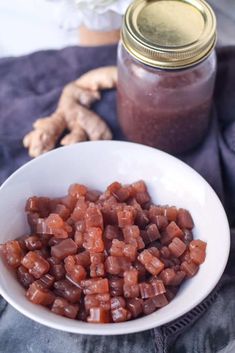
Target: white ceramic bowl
x,y
97,164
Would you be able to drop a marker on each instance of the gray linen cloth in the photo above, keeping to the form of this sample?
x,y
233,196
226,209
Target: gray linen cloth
x,y
29,88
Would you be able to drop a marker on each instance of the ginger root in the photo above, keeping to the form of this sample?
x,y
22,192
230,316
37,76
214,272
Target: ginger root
x,y
73,113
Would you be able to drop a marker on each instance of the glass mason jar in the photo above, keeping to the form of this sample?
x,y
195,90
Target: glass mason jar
x,y
166,73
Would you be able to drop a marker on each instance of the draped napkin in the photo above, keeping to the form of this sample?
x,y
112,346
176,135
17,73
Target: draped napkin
x,y
29,89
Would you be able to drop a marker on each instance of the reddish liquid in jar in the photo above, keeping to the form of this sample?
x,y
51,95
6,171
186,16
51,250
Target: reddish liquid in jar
x,y
166,109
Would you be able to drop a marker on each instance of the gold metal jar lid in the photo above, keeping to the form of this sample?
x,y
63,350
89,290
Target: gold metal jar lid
x,y
170,34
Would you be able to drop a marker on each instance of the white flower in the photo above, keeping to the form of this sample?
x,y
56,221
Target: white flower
x,y
101,6
101,15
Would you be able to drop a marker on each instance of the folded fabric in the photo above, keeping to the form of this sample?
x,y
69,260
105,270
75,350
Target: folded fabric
x,y
104,15
29,88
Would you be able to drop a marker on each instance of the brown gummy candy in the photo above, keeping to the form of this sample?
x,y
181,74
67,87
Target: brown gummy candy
x,y
62,307
64,248
104,257
36,264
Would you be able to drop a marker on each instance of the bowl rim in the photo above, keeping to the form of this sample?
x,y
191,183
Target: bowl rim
x,y
129,326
